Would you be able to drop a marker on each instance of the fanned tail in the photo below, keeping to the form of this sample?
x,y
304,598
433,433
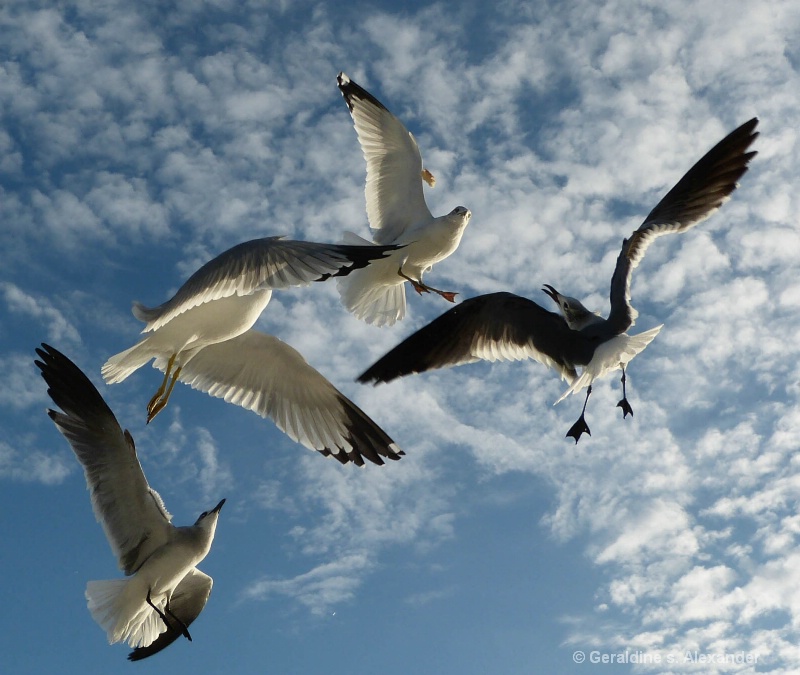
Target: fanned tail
x,y
615,353
124,619
375,294
121,365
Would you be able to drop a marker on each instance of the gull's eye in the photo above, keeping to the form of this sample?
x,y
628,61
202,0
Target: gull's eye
x,y
203,514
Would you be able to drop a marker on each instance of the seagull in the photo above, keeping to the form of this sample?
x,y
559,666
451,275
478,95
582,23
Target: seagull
x,y
505,326
203,336
397,214
165,592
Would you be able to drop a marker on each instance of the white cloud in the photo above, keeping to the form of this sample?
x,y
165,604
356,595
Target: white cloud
x,y
320,589
132,143
33,465
22,386
58,327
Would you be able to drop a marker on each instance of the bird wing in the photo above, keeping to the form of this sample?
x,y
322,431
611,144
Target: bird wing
x,y
497,326
704,188
263,374
188,600
268,263
131,512
394,165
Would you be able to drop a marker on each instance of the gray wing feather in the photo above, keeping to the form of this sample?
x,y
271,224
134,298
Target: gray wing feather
x,y
132,514
263,374
394,193
497,326
267,263
696,196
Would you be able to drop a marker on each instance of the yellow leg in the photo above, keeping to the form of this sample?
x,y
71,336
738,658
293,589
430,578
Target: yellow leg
x,y
160,392
161,403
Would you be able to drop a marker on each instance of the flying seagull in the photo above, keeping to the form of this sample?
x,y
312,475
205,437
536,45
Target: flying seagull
x,y
397,214
203,336
165,592
504,326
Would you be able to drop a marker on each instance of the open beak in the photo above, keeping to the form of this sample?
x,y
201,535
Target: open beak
x,y
552,292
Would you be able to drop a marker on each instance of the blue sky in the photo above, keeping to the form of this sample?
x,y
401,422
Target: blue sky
x,y
137,143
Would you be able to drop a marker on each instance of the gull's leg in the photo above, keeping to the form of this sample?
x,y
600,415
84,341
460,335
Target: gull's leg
x,y
161,403
158,611
160,392
626,407
184,628
580,426
421,288
418,286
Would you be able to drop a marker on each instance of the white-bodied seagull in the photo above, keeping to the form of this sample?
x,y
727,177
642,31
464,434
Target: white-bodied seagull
x,y
397,214
504,326
165,592
203,336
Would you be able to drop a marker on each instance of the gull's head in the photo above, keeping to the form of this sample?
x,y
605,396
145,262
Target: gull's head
x,y
574,313
461,212
208,519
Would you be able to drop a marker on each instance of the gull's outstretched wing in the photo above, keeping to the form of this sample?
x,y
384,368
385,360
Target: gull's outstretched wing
x,y
263,374
704,188
497,326
131,512
268,263
187,602
394,194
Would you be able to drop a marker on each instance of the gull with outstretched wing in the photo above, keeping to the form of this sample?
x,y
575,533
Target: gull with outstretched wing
x,y
507,326
397,214
204,336
165,592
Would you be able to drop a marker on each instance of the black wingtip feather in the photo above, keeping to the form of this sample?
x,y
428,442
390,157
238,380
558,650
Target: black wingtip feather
x,y
68,386
351,91
359,257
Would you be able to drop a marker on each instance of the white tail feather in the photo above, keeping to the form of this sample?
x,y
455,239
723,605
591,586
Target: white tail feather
x,y
366,294
125,619
375,294
611,355
121,365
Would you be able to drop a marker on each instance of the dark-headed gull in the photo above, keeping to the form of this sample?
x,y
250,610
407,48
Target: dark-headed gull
x,y
397,214
203,336
507,326
165,592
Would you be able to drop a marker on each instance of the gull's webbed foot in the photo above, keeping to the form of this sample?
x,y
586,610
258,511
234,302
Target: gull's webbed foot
x,y
576,430
447,295
580,427
626,408
155,406
421,288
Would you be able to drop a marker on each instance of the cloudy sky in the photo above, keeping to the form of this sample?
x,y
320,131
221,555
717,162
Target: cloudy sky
x,y
138,143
